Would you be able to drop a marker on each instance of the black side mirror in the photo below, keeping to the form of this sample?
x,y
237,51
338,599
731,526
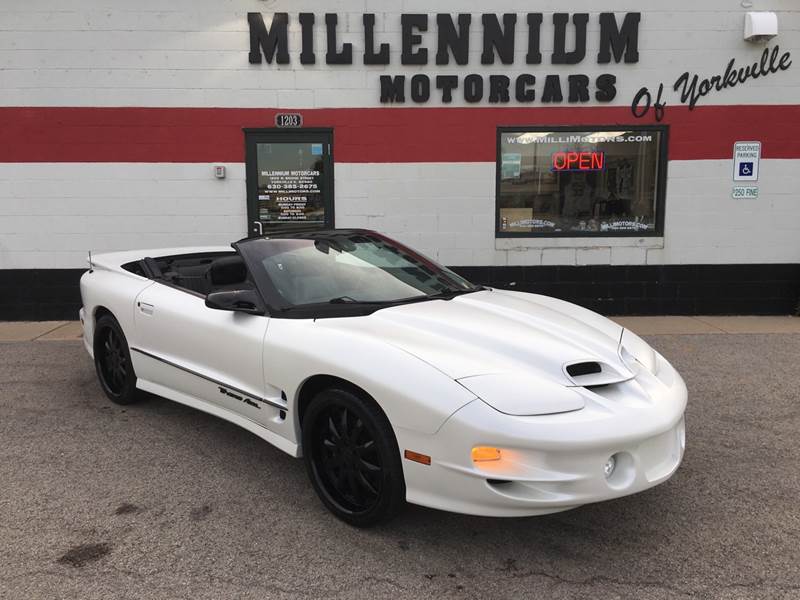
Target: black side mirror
x,y
244,300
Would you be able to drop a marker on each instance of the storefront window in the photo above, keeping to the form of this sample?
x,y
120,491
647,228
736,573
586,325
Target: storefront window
x,y
580,181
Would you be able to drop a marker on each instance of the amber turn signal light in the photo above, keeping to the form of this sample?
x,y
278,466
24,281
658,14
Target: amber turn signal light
x,y
417,457
485,453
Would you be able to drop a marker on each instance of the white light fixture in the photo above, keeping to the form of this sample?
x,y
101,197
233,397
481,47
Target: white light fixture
x,y
760,26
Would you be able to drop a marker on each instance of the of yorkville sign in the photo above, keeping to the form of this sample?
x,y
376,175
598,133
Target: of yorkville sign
x,y
503,40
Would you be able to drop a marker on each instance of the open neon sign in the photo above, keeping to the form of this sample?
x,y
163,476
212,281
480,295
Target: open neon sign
x,y
578,161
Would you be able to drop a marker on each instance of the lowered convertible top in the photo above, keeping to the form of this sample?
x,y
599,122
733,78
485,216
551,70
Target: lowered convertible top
x,y
113,261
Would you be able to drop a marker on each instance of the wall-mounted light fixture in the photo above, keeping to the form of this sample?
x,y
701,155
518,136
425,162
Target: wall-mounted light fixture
x,y
760,26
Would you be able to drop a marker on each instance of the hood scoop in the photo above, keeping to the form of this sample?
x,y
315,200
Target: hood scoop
x,y
583,368
590,373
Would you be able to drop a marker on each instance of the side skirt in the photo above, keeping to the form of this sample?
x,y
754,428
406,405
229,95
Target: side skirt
x,y
265,434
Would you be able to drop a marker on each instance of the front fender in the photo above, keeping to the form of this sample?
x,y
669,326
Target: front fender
x,y
413,394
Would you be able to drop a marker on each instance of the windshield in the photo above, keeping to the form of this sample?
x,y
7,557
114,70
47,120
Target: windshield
x,y
349,267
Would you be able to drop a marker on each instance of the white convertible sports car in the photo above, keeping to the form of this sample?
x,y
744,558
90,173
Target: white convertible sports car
x,y
394,378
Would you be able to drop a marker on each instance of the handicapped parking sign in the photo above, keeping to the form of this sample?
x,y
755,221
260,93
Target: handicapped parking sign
x,y
746,156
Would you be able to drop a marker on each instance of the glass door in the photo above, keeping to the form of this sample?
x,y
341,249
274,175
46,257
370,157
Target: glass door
x,y
289,180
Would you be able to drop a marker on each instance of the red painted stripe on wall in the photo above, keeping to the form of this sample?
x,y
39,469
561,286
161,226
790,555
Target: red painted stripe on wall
x,y
383,135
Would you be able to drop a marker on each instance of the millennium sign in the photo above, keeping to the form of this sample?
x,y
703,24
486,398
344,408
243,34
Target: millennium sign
x,y
503,40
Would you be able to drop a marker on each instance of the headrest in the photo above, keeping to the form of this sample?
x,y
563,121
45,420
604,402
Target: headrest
x,y
228,271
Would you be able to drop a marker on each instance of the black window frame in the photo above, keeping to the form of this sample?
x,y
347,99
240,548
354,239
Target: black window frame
x,y
661,180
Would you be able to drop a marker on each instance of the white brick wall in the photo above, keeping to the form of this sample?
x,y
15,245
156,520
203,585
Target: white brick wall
x,y
52,214
704,224
194,53
443,207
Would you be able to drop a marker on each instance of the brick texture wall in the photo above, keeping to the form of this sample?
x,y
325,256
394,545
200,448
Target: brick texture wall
x,y
193,53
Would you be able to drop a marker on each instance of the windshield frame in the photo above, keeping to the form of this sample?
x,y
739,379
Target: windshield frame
x,y
280,307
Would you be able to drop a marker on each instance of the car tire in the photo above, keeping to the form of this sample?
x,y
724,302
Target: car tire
x,y
352,457
112,361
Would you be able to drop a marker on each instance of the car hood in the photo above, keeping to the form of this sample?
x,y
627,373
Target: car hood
x,y
509,342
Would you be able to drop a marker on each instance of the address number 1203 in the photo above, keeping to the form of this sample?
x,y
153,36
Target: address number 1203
x,y
288,120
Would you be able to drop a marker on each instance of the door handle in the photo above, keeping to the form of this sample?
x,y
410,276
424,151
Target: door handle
x,y
257,226
145,308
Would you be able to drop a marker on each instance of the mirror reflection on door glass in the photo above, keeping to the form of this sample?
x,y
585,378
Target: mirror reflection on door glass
x,y
290,184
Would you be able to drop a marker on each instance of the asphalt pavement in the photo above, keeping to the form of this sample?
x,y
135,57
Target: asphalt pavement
x,y
160,501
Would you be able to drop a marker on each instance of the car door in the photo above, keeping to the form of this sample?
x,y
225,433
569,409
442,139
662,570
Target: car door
x,y
215,356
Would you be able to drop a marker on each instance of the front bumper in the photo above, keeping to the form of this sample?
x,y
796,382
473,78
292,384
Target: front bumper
x,y
554,462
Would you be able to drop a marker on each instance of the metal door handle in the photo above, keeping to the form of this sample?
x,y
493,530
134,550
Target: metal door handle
x,y
260,227
145,308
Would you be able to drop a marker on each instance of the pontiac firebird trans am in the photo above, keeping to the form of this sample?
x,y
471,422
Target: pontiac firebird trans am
x,y
394,378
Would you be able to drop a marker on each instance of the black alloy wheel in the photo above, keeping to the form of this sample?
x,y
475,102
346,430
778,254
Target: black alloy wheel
x,y
352,457
112,361
348,459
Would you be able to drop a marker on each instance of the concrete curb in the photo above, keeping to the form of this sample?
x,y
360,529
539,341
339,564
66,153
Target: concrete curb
x,y
26,331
